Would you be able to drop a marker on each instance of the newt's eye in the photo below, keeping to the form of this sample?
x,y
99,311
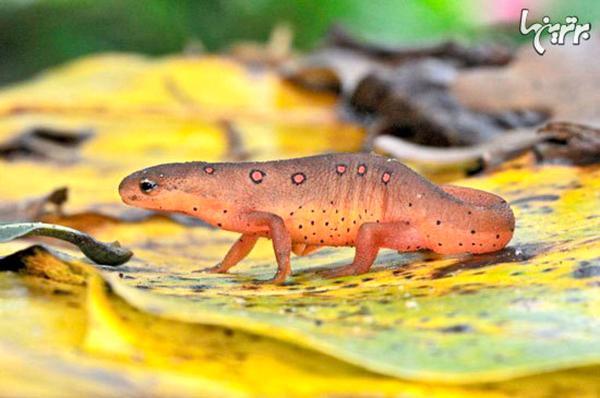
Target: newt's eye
x,y
147,185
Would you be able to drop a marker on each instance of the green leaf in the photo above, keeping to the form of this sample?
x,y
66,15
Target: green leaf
x,y
99,252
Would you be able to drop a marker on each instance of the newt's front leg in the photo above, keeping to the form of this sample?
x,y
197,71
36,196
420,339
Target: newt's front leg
x,y
371,237
282,242
282,245
240,249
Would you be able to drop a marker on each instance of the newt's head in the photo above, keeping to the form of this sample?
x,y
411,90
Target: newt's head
x,y
168,187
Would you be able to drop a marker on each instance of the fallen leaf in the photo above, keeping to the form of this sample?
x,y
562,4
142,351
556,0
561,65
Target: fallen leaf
x,y
99,252
562,84
84,339
460,319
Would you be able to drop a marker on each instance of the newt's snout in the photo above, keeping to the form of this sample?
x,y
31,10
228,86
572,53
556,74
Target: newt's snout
x,y
155,188
139,188
129,188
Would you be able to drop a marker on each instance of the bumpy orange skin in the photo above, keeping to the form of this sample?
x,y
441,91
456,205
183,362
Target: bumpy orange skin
x,y
360,200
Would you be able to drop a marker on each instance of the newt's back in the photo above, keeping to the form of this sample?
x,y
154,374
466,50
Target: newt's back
x,y
325,199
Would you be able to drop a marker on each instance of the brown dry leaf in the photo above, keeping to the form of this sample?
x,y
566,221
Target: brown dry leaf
x,y
564,83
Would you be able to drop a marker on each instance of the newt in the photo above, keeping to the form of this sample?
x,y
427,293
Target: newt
x,y
361,200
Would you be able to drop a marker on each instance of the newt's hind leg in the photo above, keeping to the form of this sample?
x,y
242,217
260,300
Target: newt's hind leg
x,y
240,249
371,237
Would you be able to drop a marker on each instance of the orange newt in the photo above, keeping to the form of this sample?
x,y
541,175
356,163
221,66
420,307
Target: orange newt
x,y
361,200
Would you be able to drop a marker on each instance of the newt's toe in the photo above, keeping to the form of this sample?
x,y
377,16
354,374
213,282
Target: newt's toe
x,y
217,269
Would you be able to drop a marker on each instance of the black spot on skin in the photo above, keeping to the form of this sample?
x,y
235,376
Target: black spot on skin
x,y
312,223
291,213
322,241
219,225
195,209
472,232
224,211
305,237
300,226
460,244
409,204
497,236
438,222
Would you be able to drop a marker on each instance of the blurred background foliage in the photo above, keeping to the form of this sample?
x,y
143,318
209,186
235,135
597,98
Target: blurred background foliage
x,y
36,34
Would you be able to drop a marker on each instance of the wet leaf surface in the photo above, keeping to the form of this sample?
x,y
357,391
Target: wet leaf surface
x,y
464,318
83,339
